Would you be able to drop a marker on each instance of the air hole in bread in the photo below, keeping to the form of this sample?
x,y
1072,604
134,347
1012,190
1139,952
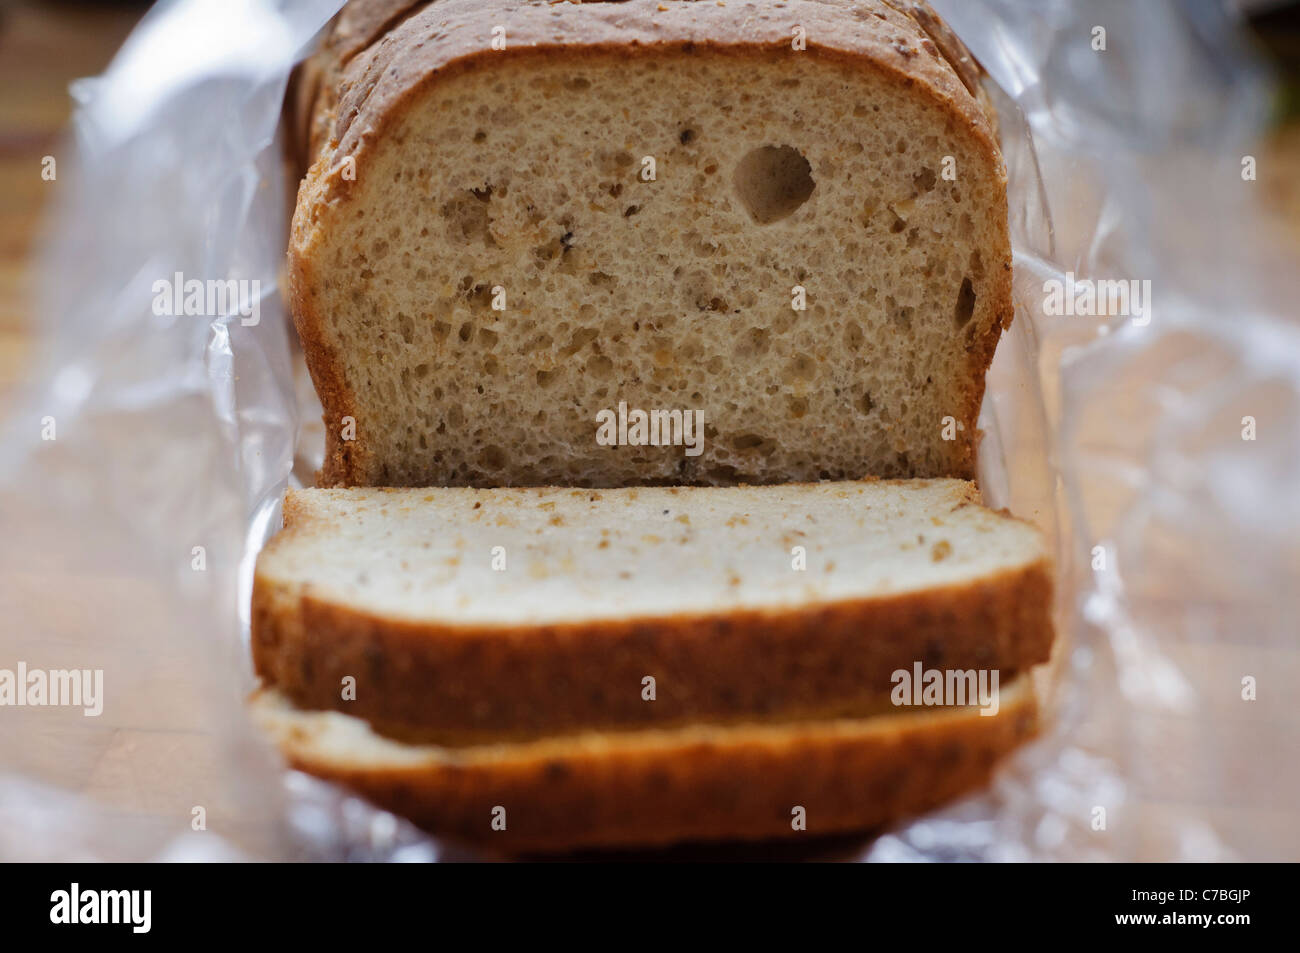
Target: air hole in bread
x,y
773,182
899,314
468,217
965,303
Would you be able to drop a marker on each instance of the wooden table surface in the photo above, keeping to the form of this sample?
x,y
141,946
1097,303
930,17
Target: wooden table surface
x,y
43,46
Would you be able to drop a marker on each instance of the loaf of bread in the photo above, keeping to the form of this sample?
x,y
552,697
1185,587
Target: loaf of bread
x,y
785,224
655,787
617,283
472,616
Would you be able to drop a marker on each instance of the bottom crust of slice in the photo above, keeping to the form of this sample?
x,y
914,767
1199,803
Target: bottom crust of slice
x,y
660,787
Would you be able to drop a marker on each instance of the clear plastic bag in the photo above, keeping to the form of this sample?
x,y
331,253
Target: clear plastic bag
x,y
130,535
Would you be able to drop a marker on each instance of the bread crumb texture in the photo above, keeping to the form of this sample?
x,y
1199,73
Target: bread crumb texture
x,y
568,554
642,224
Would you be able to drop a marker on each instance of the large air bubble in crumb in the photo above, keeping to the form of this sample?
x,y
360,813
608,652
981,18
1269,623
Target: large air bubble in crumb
x,y
773,181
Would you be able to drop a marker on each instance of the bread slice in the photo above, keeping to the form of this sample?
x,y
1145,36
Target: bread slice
x,y
314,87
791,225
464,616
654,787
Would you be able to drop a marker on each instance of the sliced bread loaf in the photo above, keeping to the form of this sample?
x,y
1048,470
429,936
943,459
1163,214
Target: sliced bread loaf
x,y
526,218
703,782
465,616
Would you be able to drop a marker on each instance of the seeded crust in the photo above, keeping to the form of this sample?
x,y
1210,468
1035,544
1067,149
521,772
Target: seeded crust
x,y
649,788
427,668
866,394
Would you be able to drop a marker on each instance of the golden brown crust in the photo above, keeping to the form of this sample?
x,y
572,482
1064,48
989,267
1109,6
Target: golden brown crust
x,y
313,86
342,455
384,74
362,22
968,70
300,114
663,787
458,32
459,684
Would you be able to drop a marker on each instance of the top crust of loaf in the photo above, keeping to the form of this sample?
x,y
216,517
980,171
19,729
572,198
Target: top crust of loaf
x,y
378,76
385,53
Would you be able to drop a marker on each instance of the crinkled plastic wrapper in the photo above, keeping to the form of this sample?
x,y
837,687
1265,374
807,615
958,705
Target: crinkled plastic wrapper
x,y
143,467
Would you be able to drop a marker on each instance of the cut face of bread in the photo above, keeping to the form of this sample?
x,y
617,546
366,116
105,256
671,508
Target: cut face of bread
x,y
467,616
502,257
643,788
